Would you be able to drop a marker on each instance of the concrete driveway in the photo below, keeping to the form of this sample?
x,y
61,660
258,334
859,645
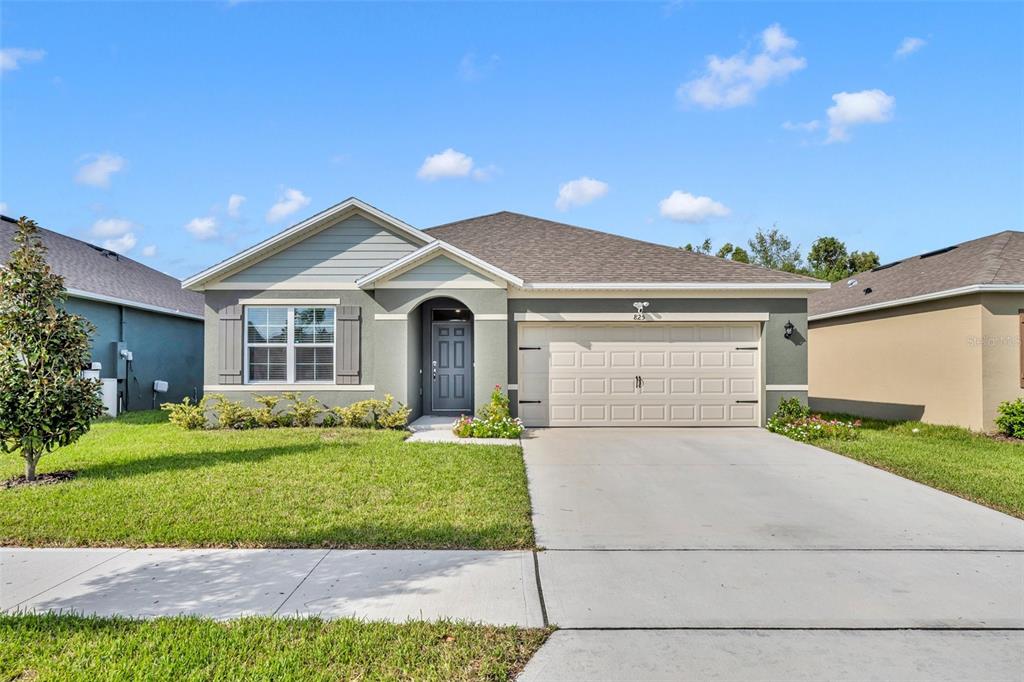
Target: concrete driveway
x,y
786,560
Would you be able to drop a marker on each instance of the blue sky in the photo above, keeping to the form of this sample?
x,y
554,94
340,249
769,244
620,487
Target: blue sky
x,y
144,119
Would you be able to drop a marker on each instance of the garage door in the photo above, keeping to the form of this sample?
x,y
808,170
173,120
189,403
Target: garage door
x,y
645,374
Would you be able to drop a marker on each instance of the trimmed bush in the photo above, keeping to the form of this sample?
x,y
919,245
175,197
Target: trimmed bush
x,y
187,414
231,414
1011,418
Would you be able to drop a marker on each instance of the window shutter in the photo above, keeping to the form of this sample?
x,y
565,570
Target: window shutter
x,y
1020,344
347,344
230,344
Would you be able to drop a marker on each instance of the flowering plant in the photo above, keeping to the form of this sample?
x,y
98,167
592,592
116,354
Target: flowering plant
x,y
494,421
794,420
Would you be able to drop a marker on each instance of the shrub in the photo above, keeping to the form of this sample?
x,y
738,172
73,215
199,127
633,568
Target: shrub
x,y
371,413
494,420
187,414
303,412
264,416
231,414
388,418
790,410
1011,418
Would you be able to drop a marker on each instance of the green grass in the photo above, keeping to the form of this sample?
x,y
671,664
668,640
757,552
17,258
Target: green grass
x,y
144,482
50,647
967,464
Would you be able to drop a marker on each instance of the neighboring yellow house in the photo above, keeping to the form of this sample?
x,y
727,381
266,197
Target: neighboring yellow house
x,y
935,337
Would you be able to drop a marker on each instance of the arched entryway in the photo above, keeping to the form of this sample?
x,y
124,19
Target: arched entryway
x,y
447,357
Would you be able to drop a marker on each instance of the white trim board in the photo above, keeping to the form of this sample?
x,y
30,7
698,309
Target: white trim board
x,y
281,286
671,286
295,232
491,317
256,388
935,295
102,298
650,317
289,301
785,387
391,316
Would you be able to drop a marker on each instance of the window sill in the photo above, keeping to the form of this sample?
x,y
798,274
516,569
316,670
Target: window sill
x,y
222,388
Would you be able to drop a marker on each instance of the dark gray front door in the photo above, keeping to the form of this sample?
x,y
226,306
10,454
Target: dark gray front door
x,y
451,366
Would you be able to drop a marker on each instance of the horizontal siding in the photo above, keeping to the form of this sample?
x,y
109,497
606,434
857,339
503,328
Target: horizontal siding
x,y
340,253
440,270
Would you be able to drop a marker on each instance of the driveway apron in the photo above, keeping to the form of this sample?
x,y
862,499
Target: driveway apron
x,y
739,554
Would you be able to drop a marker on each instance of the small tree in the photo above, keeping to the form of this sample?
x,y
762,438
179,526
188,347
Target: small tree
x,y
862,261
704,247
773,250
44,402
828,259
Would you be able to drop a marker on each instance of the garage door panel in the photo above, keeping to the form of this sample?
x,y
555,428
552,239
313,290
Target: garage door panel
x,y
693,374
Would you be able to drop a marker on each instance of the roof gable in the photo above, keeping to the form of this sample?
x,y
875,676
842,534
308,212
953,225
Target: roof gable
x,y
461,265
303,230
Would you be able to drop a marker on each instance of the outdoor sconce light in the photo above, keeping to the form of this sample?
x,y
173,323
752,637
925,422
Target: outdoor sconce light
x,y
788,329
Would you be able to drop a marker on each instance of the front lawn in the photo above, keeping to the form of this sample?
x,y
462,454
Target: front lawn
x,y
50,647
973,466
143,482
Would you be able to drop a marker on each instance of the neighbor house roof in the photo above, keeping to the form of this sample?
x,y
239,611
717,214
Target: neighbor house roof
x,y
992,263
546,252
96,273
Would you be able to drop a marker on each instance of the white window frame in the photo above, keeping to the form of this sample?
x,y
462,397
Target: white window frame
x,y
290,345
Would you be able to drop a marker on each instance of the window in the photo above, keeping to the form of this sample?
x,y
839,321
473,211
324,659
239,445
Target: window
x,y
289,345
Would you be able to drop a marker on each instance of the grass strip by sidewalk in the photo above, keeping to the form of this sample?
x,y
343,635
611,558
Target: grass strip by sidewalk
x,y
144,482
67,647
970,465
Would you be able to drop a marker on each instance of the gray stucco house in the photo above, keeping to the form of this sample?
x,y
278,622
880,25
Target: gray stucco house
x,y
584,328
135,309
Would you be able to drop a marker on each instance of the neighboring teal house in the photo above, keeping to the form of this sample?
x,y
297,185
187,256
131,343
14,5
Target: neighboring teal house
x,y
139,313
583,328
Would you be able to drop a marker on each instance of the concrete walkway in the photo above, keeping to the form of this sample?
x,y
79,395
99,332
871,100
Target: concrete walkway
x,y
729,554
395,585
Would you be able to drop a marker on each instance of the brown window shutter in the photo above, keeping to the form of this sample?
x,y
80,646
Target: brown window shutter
x,y
230,344
347,344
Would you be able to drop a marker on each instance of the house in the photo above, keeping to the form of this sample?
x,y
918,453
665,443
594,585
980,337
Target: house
x,y
584,328
934,337
147,328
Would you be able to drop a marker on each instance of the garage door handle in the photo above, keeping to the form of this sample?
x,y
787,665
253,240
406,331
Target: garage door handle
x,y
747,348
529,347
529,402
748,402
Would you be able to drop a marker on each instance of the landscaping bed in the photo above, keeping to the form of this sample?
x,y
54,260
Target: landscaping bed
x,y
50,647
144,482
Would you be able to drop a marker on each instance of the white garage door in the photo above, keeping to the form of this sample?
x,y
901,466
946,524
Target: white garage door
x,y
639,374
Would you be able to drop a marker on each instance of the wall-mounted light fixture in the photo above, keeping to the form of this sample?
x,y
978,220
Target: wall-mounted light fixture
x,y
788,329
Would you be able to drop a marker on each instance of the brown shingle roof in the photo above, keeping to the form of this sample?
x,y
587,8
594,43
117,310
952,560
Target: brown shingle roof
x,y
539,250
995,259
95,270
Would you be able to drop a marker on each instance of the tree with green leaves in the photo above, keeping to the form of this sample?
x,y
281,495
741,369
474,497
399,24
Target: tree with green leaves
x,y
705,247
828,259
736,253
45,402
862,261
773,250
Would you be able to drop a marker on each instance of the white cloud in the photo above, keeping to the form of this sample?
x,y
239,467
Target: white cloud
x,y
11,58
289,202
735,80
909,46
149,251
580,192
111,227
235,202
471,69
804,127
856,108
202,228
97,172
447,164
122,244
686,208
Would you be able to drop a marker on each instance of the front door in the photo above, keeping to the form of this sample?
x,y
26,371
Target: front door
x,y
451,366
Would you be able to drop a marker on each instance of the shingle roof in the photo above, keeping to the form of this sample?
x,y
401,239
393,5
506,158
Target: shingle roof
x,y
539,250
992,260
95,270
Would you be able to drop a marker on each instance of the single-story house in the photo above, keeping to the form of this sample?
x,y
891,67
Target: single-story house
x,y
934,337
147,328
583,328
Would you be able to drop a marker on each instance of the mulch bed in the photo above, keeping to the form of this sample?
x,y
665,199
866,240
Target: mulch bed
x,y
1004,438
41,479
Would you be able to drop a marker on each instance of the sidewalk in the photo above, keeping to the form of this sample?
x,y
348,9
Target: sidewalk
x,y
497,588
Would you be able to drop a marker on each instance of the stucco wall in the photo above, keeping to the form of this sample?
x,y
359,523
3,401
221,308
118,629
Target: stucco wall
x,y
911,362
164,347
1000,347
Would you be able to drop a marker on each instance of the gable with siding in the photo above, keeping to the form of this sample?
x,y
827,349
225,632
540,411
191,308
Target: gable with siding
x,y
342,252
440,271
